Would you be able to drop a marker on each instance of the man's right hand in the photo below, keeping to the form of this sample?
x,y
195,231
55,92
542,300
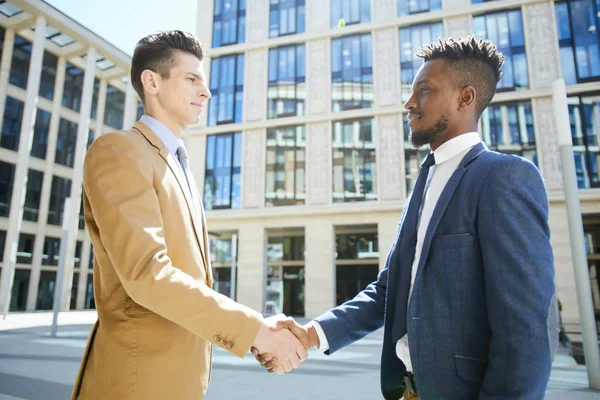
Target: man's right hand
x,y
307,335
282,345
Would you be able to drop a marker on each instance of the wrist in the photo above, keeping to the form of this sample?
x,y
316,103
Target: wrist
x,y
313,337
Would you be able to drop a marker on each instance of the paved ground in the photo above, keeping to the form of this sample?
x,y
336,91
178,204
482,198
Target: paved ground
x,y
35,366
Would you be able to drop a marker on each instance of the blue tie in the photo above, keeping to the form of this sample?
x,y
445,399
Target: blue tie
x,y
408,243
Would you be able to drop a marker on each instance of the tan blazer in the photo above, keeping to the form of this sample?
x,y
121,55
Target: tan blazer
x,y
157,313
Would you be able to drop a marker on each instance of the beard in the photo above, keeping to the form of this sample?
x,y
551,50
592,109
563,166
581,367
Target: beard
x,y
426,136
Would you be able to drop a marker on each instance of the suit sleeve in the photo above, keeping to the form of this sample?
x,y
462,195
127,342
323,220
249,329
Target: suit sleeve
x,y
519,281
118,183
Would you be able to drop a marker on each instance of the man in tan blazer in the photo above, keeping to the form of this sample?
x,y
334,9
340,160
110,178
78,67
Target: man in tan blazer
x,y
157,314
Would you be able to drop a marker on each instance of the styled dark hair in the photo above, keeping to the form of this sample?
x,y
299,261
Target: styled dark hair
x,y
157,52
470,62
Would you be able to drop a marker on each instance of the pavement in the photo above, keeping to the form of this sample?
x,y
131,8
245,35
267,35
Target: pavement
x,y
36,366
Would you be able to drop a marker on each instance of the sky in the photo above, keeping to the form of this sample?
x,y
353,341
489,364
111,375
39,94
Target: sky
x,y
124,22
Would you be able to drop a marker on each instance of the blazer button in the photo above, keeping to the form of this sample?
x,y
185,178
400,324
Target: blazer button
x,y
217,339
230,345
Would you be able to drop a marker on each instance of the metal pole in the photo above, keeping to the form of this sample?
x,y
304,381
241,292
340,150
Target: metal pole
x,y
233,266
582,276
61,266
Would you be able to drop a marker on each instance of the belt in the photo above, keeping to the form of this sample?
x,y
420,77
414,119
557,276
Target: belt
x,y
409,382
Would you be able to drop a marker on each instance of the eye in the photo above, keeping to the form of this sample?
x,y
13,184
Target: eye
x,y
193,80
423,89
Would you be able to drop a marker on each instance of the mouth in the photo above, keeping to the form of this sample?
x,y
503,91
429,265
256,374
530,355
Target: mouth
x,y
199,106
413,117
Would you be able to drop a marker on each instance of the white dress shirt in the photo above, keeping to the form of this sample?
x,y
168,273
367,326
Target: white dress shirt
x,y
171,142
447,158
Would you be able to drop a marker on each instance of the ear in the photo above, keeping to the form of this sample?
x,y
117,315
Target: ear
x,y
467,98
150,81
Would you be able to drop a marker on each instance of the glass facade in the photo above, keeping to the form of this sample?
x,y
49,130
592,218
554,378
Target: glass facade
x,y
11,126
351,11
73,87
19,67
229,23
227,88
41,130
25,248
406,7
287,88
49,65
20,289
508,128
7,176
115,106
51,251
354,161
505,29
61,189
45,298
33,196
285,273
221,257
286,17
411,40
286,166
65,143
584,112
222,182
351,72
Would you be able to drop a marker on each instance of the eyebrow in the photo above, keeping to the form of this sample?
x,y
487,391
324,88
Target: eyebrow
x,y
195,75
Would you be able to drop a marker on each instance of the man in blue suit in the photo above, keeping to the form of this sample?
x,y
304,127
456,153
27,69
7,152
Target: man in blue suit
x,y
467,297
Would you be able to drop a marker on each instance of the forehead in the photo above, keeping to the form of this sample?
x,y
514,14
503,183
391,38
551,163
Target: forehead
x,y
186,62
432,71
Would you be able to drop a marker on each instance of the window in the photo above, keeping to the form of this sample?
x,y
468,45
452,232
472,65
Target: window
x,y
40,134
51,251
351,11
577,23
505,29
406,7
584,112
90,304
90,140
33,196
61,189
25,249
73,87
11,127
7,176
352,72
2,242
357,260
19,67
287,88
285,272
81,223
286,17
223,169
45,298
65,143
229,26
411,40
77,257
74,287
227,88
49,65
18,299
115,106
508,128
354,166
221,256
286,166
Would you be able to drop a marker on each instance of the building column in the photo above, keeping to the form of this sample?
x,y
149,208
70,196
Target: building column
x,y
83,128
318,76
7,53
101,108
204,22
253,168
386,67
319,269
318,14
83,272
255,85
42,222
387,231
319,170
17,202
252,271
257,21
390,157
384,10
130,111
196,146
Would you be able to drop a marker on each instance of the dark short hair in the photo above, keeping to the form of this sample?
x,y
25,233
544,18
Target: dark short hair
x,y
470,62
157,52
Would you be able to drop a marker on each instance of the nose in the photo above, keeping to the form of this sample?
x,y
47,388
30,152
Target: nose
x,y
410,103
205,92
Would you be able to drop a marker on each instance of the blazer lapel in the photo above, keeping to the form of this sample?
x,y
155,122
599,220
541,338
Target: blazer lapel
x,y
197,215
442,203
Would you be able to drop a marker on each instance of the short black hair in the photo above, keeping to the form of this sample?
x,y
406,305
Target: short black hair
x,y
470,62
157,53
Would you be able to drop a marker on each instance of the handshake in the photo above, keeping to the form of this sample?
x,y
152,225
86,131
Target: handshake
x,y
282,344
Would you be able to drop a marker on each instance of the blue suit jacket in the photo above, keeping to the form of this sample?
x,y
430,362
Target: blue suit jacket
x,y
482,319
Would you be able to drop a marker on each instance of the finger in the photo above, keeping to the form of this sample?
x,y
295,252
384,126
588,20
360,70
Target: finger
x,y
287,365
254,350
271,364
295,360
288,323
301,352
265,358
279,370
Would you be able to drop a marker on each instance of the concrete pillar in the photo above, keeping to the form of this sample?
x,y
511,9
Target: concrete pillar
x,y
546,138
15,218
204,22
318,14
461,26
99,126
40,236
386,67
255,85
257,21
252,272
196,146
82,136
390,161
253,168
130,111
7,53
387,230
319,270
382,10
318,163
455,4
318,76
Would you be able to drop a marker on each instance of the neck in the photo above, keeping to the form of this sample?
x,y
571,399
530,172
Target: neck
x,y
171,123
451,133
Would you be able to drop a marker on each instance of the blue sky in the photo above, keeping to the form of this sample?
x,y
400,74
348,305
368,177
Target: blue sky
x,y
124,22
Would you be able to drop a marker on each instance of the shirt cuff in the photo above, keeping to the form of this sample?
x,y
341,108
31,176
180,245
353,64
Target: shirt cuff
x,y
323,343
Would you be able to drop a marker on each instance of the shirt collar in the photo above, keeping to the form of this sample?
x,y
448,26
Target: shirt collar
x,y
455,146
169,139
